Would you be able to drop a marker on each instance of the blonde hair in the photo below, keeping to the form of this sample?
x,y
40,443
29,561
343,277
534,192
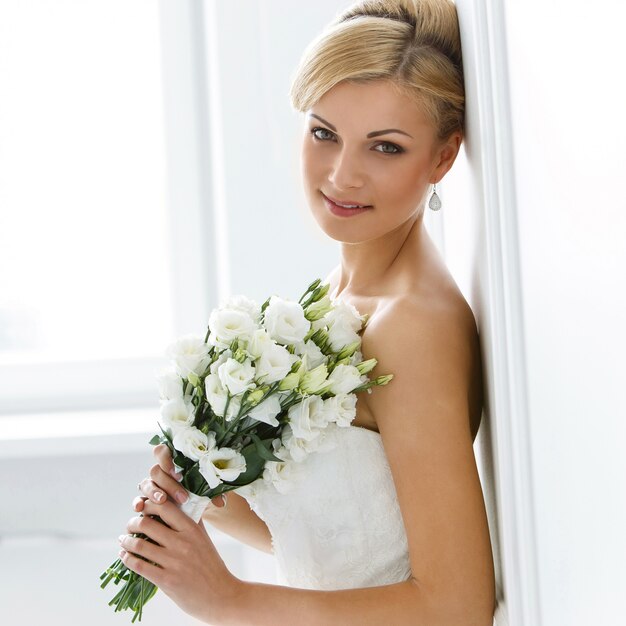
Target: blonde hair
x,y
415,44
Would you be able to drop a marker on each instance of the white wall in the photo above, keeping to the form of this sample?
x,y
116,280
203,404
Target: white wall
x,y
571,208
545,147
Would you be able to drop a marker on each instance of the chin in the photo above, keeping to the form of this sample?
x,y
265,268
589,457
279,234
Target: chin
x,y
346,231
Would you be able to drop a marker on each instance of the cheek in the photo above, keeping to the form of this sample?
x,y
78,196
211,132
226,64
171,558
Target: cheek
x,y
401,188
310,164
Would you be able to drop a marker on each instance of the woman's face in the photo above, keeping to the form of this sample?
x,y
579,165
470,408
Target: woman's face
x,y
390,171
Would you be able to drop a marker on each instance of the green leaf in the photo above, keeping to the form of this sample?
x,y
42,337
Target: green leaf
x,y
254,466
262,449
194,481
155,440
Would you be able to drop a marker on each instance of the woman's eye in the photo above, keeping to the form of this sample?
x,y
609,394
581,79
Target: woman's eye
x,y
324,130
396,149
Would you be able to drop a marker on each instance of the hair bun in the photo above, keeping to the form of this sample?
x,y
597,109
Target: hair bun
x,y
434,22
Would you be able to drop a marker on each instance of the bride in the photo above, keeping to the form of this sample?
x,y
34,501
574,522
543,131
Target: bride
x,y
389,527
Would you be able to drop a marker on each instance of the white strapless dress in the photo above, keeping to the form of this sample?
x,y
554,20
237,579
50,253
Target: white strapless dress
x,y
340,525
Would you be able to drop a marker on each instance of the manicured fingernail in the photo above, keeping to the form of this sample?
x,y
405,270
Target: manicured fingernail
x,y
176,475
224,499
121,538
181,496
158,496
121,553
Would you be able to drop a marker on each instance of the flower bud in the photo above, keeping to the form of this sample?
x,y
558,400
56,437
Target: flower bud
x,y
313,285
382,380
255,397
367,366
290,382
314,380
193,379
240,355
318,309
349,350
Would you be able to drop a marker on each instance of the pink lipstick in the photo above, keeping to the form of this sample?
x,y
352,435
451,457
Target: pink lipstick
x,y
343,211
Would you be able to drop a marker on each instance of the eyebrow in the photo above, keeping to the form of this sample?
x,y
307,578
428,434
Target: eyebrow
x,y
374,133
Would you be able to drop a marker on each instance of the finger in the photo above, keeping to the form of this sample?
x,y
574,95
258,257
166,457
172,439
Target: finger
x,y
142,547
156,530
164,458
151,490
219,501
138,503
170,513
150,572
164,484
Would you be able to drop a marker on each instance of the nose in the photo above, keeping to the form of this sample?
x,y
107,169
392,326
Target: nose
x,y
346,172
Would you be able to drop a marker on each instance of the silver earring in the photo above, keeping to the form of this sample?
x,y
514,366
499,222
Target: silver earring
x,y
434,203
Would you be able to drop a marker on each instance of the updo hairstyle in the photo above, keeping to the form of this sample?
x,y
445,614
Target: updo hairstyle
x,y
415,44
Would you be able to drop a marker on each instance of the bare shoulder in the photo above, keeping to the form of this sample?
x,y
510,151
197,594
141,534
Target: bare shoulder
x,y
431,345
424,416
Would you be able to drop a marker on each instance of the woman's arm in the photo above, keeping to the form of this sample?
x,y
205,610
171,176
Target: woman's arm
x,y
423,419
238,520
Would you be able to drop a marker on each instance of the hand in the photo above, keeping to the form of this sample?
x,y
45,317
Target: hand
x,y
163,482
184,563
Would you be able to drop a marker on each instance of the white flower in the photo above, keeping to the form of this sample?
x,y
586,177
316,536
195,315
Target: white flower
x,y
236,376
274,364
320,323
258,343
345,314
285,321
267,410
233,408
193,443
313,353
177,414
282,474
170,385
226,325
342,408
340,335
345,378
222,358
356,358
190,355
221,464
308,417
217,395
244,304
343,322
299,447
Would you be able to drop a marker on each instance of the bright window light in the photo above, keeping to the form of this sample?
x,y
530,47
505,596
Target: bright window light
x,y
84,250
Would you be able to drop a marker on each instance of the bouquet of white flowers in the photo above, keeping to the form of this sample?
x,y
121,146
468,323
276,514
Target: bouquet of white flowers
x,y
234,399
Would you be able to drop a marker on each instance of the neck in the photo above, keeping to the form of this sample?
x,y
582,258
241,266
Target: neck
x,y
365,266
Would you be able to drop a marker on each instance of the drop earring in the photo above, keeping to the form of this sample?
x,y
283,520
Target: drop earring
x,y
434,203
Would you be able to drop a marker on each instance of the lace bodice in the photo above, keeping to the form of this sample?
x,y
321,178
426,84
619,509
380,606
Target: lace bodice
x,y
340,525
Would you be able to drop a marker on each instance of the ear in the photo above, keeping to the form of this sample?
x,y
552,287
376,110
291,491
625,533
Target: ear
x,y
445,155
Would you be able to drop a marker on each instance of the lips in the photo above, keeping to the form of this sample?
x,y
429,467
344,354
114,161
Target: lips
x,y
338,201
343,212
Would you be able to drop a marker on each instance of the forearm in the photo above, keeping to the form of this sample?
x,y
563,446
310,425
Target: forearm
x,y
260,604
240,522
